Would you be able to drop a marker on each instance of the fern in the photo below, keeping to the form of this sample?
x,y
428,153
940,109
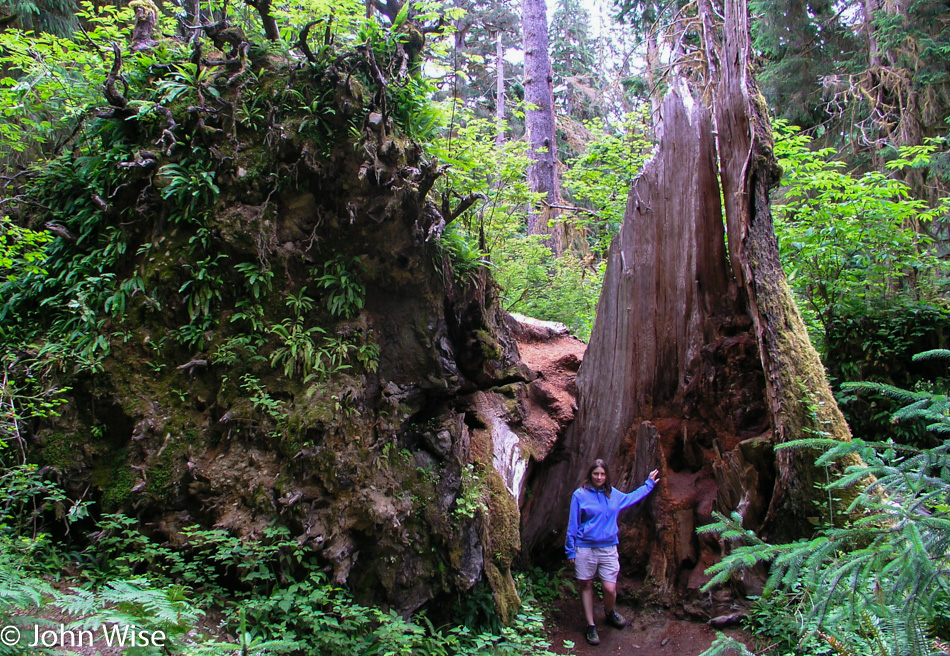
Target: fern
x,y
133,603
933,354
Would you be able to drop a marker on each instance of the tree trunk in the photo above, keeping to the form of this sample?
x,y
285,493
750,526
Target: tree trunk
x,y
667,300
690,369
800,399
500,88
263,7
539,117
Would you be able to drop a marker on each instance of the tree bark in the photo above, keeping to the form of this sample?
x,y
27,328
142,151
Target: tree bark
x,y
800,399
698,364
539,117
500,88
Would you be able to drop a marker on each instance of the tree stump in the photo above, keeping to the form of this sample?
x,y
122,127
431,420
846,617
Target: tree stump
x,y
699,363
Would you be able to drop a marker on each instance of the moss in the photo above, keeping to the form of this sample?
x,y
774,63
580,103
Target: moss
x,y
58,450
161,474
505,520
502,540
115,481
490,348
507,601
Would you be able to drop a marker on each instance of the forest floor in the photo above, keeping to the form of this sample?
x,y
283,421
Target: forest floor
x,y
653,632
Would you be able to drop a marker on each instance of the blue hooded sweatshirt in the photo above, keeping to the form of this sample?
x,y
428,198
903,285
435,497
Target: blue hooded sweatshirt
x,y
593,521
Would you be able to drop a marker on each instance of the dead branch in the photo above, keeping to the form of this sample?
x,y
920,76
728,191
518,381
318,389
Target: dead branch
x,y
103,206
115,99
571,208
168,136
430,172
60,231
190,366
463,205
302,44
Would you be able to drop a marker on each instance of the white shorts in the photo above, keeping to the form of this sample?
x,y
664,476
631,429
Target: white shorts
x,y
600,562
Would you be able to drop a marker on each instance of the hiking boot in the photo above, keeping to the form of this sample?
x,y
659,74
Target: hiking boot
x,y
591,635
616,619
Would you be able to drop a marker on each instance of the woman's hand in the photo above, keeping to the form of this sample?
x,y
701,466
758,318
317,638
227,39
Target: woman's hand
x,y
654,475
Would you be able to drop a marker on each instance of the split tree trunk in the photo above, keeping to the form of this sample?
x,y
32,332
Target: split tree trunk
x,y
800,400
695,367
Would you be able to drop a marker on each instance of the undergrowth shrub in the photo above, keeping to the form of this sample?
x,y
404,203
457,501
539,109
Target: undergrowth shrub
x,y
880,584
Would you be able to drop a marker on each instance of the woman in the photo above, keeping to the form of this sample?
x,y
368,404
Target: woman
x,y
591,542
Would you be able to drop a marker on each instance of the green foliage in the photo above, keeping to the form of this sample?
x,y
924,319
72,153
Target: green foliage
x,y
297,352
471,500
878,346
878,584
258,279
263,402
188,186
136,604
599,178
573,61
284,602
783,34
848,240
462,251
204,287
345,291
535,283
20,250
563,289
189,82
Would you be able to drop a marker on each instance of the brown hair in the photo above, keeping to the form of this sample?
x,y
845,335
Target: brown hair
x,y
589,481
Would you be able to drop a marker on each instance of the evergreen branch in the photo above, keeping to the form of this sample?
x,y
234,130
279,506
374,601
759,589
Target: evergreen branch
x,y
933,354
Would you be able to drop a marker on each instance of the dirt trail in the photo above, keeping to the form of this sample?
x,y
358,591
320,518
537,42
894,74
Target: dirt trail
x,y
649,631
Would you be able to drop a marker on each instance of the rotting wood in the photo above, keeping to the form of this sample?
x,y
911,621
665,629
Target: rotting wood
x,y
800,399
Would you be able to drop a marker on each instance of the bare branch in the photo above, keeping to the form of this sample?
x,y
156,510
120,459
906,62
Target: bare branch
x,y
115,99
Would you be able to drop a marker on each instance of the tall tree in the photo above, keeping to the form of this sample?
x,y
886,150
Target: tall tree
x,y
539,117
869,76
664,30
574,61
799,43
53,16
499,88
484,29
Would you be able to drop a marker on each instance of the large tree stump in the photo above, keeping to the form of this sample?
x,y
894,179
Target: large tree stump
x,y
698,362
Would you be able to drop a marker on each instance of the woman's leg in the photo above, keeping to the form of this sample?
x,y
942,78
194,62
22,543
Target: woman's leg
x,y
610,595
587,600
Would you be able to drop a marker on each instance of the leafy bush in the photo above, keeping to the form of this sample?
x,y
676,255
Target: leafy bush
x,y
878,346
564,289
849,241
463,253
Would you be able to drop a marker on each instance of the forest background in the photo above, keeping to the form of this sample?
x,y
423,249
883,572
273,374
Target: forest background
x,y
859,93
